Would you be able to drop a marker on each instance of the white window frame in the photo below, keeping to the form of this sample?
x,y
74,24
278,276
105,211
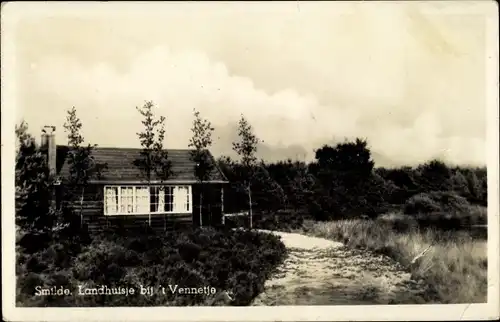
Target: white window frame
x,y
183,206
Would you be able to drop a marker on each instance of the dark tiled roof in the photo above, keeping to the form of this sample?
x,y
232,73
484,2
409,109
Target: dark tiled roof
x,y
120,164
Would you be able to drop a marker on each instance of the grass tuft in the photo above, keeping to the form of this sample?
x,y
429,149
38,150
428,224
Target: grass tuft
x,y
455,266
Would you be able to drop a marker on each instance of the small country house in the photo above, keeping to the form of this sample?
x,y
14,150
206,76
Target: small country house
x,y
121,195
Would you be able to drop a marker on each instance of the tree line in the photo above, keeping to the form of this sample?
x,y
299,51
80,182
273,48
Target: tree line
x,y
343,182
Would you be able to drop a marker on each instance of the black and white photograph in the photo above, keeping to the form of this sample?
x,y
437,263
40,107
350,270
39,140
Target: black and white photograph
x,y
250,161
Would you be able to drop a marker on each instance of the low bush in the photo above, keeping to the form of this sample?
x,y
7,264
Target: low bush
x,y
420,203
436,201
234,260
444,210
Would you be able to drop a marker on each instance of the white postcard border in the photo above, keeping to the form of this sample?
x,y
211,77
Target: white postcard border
x,y
13,11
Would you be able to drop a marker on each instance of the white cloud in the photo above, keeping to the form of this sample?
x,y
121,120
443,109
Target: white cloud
x,y
302,82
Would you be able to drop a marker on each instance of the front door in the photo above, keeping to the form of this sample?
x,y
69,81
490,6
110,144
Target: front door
x,y
209,204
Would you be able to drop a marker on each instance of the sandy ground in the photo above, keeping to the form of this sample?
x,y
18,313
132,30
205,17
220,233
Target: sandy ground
x,y
323,272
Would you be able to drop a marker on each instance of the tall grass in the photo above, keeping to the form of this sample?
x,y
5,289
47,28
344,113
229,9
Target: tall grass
x,y
455,266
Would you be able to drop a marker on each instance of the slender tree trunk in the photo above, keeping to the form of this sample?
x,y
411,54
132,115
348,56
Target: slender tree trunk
x,y
210,218
201,208
151,193
81,206
250,206
148,175
149,212
222,205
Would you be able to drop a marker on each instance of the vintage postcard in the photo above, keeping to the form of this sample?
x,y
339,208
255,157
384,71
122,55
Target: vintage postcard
x,y
250,161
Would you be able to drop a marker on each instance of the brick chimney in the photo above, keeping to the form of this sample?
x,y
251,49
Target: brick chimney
x,y
48,143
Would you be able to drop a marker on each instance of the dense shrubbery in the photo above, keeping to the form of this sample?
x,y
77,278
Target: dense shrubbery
x,y
420,203
239,261
343,183
445,210
436,201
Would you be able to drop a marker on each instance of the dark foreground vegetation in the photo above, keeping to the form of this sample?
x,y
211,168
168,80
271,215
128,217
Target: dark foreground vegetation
x,y
234,260
54,251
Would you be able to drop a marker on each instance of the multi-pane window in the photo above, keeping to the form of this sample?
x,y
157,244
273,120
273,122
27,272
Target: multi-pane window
x,y
157,199
142,199
111,200
127,200
122,200
169,199
182,199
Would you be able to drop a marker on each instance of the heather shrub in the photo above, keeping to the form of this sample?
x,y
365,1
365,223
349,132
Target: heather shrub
x,y
238,260
450,201
245,285
444,210
29,282
189,252
420,203
435,201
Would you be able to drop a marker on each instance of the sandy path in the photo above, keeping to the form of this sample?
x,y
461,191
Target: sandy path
x,y
322,272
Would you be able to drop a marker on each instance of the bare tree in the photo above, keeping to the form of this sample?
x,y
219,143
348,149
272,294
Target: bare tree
x,y
154,159
82,165
246,149
201,140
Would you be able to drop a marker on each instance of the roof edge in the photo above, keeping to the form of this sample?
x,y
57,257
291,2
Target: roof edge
x,y
142,182
99,147
216,166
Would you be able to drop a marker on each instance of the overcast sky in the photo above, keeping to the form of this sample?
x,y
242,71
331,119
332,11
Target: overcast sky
x,y
411,82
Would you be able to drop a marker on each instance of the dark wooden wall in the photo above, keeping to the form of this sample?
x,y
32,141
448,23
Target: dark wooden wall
x,y
93,199
158,222
92,209
211,205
